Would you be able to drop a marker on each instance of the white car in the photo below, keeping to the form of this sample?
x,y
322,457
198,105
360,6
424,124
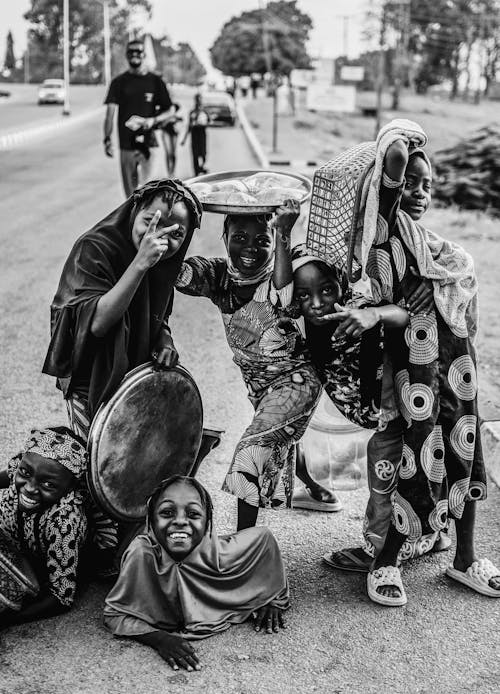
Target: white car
x,y
51,92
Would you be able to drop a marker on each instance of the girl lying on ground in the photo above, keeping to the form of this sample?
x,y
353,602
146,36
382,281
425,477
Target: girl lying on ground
x,y
180,582
41,514
282,386
110,313
442,472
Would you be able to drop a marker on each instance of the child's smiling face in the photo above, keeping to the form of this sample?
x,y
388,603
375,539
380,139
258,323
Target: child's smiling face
x,y
416,196
249,244
41,482
316,291
179,519
179,215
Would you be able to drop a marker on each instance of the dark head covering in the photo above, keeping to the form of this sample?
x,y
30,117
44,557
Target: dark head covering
x,y
97,261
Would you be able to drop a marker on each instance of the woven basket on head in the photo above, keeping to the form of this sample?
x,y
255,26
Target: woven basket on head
x,y
335,206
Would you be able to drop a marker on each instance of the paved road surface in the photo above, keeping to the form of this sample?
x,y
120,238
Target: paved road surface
x,y
444,641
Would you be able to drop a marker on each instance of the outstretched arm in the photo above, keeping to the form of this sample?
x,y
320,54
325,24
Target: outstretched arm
x,y
108,128
356,321
395,162
285,217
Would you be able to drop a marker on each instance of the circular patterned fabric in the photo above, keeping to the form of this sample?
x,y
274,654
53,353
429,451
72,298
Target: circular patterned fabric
x,y
405,519
457,497
398,256
438,517
422,338
432,455
463,437
416,398
384,470
408,464
462,378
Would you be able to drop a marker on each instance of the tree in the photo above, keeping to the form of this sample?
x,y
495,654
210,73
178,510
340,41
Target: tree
x,y
9,62
268,40
86,37
178,64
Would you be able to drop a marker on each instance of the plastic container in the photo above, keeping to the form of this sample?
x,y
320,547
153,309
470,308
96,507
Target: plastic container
x,y
334,448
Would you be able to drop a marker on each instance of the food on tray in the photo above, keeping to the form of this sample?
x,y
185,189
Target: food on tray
x,y
276,196
224,197
259,189
264,180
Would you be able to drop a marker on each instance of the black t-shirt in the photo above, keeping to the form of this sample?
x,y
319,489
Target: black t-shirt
x,y
139,95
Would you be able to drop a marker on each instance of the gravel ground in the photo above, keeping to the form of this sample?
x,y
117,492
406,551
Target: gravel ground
x,y
444,641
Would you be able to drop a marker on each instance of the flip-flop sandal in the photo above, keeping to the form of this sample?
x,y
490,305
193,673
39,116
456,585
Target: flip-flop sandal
x,y
306,501
477,577
347,560
386,576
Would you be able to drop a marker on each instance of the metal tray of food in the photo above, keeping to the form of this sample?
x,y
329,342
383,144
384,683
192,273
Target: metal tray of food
x,y
253,191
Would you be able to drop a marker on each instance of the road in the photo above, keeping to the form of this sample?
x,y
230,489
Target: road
x,y
444,641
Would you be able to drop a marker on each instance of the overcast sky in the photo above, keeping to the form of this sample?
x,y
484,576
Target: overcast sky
x,y
199,22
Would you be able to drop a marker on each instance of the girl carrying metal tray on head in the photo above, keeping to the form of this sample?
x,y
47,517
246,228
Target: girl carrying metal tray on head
x,y
250,291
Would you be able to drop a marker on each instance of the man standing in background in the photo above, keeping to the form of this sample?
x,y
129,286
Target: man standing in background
x,y
143,103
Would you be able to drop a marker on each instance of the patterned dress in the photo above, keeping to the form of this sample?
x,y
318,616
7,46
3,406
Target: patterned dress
x,y
52,540
282,386
436,387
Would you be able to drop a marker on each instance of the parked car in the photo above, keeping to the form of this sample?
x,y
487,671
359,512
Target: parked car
x,y
220,107
51,91
4,93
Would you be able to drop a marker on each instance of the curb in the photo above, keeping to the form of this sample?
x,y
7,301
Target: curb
x,y
20,137
490,435
251,137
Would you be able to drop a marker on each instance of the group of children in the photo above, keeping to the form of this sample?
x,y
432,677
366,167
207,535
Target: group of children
x,y
398,360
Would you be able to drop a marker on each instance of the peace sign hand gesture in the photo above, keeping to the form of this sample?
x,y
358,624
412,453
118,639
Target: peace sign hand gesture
x,y
153,244
352,321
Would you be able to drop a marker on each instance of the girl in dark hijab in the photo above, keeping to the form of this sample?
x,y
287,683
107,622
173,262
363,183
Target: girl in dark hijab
x,y
110,312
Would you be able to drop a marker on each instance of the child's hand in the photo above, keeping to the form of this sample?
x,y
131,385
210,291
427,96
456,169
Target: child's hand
x,y
177,652
153,244
269,618
421,300
352,321
164,355
285,217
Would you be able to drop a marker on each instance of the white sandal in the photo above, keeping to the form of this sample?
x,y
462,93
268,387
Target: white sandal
x,y
386,576
477,577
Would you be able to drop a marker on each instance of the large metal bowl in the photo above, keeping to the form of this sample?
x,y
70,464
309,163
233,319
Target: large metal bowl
x,y
221,208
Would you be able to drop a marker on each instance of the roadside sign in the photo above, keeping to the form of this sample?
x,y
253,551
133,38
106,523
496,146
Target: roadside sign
x,y
352,73
325,97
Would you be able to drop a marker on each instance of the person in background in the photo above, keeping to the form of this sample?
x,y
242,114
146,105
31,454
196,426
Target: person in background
x,y
169,134
143,103
197,127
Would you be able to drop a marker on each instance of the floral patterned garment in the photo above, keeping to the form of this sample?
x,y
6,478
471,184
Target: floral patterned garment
x,y
282,386
436,386
54,538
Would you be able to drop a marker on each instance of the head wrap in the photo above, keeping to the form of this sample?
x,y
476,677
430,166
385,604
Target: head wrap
x,y
301,255
219,583
61,447
236,276
95,264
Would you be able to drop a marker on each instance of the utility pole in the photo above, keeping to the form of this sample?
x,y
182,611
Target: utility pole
x,y
274,80
107,43
381,70
27,59
66,107
345,35
401,51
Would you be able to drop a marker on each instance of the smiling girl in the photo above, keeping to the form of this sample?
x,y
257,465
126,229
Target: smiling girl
x,y
250,290
180,582
41,514
110,313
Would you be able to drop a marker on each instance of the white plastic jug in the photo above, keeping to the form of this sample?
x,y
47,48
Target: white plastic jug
x,y
334,448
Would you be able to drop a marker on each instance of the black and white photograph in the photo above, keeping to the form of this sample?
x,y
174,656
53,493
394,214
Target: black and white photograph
x,y
250,339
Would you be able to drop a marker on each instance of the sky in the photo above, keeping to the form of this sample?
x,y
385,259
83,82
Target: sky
x,y
199,21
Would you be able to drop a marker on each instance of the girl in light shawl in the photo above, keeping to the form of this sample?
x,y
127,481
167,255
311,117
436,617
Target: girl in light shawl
x,y
180,582
42,516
